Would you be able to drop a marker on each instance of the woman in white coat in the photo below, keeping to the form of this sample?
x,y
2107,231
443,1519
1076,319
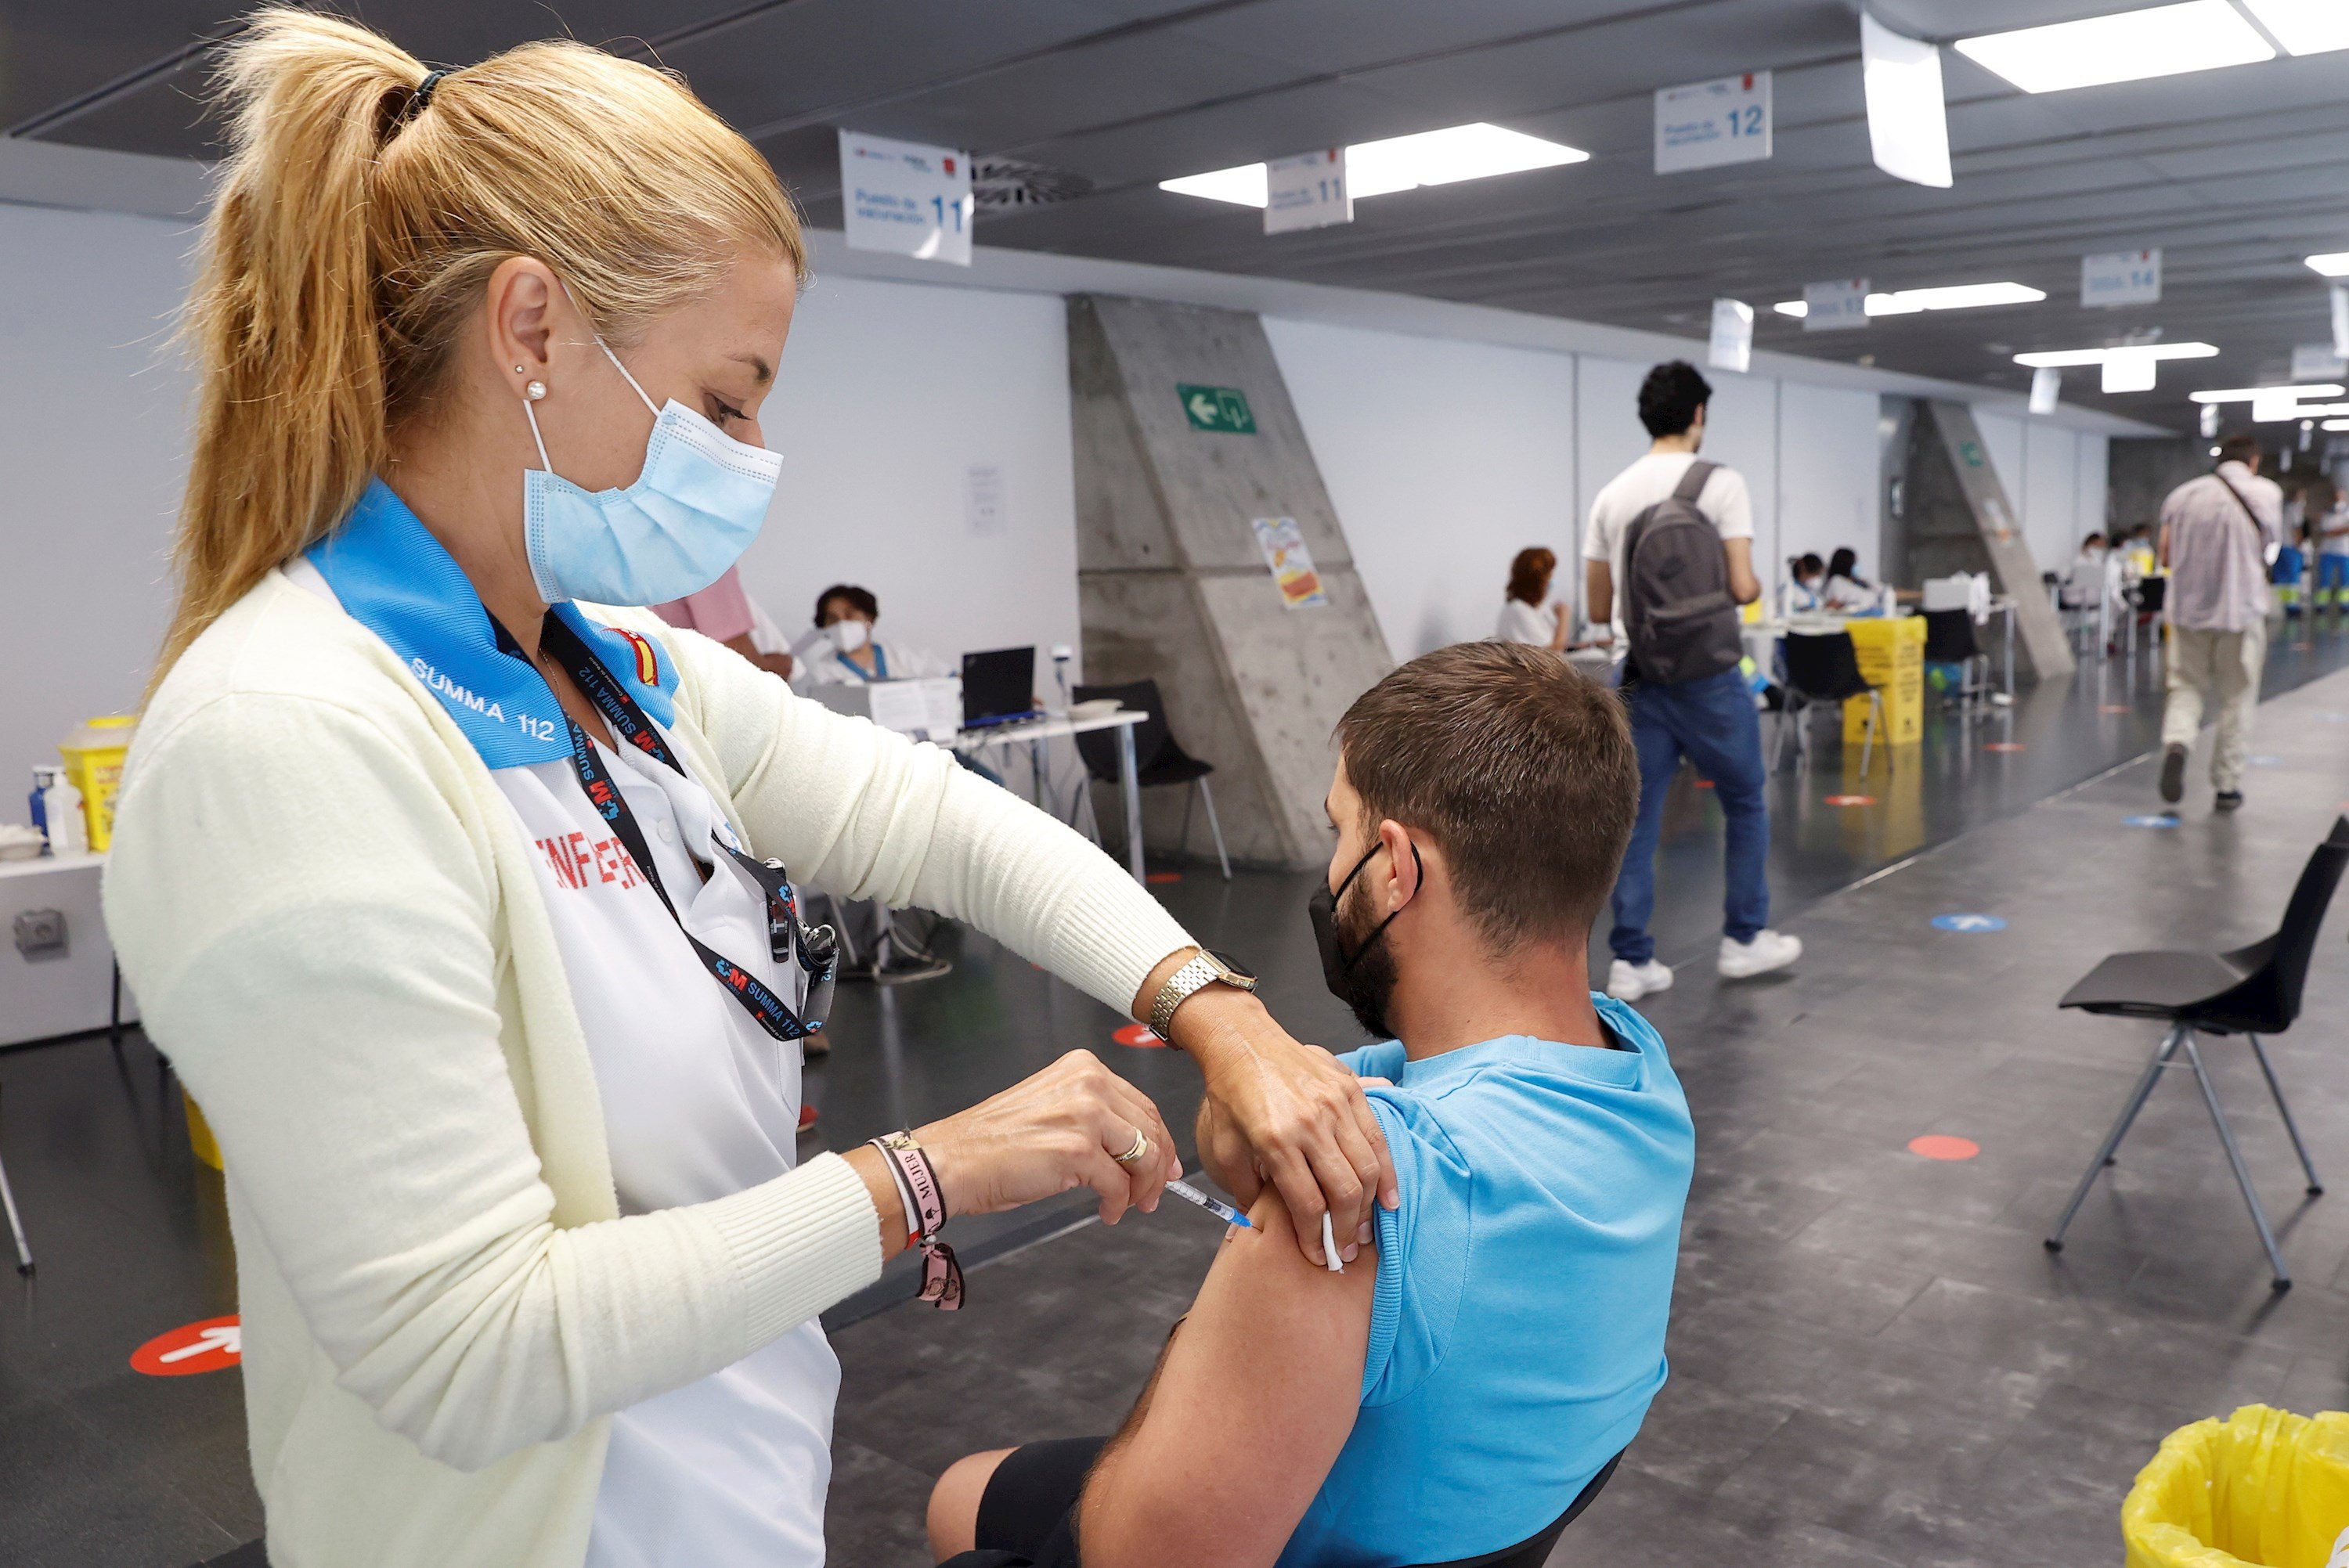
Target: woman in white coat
x,y
458,898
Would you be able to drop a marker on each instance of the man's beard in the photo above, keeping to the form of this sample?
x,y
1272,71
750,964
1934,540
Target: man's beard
x,y
1370,981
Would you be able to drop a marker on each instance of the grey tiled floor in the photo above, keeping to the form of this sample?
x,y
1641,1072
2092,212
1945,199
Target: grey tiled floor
x,y
1874,1360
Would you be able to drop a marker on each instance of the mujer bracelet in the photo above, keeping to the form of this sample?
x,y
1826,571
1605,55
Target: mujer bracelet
x,y
925,1213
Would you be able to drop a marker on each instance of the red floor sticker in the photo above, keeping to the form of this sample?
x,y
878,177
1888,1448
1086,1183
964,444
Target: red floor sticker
x,y
1704,783
1161,876
2004,745
2116,707
1851,799
214,1344
1941,1146
1137,1034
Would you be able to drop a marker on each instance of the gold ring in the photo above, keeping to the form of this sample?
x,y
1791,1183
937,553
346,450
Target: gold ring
x,y
1141,1147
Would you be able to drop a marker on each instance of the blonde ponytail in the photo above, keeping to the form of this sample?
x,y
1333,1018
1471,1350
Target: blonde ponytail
x,y
356,230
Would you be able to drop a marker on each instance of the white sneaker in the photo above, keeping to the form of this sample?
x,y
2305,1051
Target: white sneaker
x,y
1769,950
1630,982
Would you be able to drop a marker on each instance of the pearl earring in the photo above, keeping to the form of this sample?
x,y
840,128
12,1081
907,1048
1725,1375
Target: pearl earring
x,y
534,391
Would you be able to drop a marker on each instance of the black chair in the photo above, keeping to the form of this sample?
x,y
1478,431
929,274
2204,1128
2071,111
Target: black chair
x,y
2252,991
1534,1552
1949,640
1823,668
1158,758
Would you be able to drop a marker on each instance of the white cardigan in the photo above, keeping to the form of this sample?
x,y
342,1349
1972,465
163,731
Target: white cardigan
x,y
333,930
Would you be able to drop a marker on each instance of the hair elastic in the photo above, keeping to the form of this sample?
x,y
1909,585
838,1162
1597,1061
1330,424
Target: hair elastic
x,y
424,89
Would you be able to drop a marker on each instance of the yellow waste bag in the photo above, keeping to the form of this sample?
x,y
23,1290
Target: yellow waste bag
x,y
2262,1488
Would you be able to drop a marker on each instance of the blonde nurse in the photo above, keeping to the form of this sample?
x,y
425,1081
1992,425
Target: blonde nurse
x,y
462,894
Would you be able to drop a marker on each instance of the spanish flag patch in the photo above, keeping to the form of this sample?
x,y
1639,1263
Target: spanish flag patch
x,y
647,660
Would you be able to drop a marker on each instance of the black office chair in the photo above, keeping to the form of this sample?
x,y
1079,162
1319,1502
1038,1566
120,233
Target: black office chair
x,y
1823,668
1534,1552
1949,640
1158,758
2252,991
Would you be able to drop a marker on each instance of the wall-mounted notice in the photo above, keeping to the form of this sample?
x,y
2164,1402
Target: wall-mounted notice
x,y
1291,562
2121,277
1835,306
905,198
1219,409
1706,124
2315,362
1732,343
982,499
1307,191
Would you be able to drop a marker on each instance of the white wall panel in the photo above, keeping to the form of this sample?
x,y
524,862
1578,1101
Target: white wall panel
x,y
93,437
1827,462
2051,496
1444,459
889,393
2091,478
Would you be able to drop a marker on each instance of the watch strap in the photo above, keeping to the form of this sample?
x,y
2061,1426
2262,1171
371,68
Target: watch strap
x,y
1200,971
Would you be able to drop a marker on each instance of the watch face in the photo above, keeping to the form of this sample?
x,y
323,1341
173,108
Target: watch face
x,y
1231,964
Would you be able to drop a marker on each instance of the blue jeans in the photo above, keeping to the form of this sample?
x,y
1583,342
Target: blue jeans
x,y
1712,722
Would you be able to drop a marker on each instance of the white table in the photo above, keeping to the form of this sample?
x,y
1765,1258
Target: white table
x,y
47,994
1037,731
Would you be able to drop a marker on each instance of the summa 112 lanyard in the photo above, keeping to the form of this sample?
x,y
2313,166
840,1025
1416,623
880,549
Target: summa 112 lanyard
x,y
789,939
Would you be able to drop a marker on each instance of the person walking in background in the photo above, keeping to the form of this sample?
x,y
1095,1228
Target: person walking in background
x,y
2328,528
1524,617
2216,532
1680,586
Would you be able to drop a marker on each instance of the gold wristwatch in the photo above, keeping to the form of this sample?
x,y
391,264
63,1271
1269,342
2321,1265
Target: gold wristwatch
x,y
1205,968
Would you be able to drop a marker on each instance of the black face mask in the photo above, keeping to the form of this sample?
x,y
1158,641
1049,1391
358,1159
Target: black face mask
x,y
1363,982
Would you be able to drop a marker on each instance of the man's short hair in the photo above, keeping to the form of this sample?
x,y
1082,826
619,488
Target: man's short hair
x,y
1517,765
2240,448
858,599
1670,396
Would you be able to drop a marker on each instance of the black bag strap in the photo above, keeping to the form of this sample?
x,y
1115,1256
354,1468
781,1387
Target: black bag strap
x,y
2257,526
1692,483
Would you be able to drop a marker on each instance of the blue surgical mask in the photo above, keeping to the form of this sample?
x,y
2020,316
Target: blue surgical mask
x,y
696,507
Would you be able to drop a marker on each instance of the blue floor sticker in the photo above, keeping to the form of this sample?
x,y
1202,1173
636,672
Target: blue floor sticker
x,y
1967,922
2163,819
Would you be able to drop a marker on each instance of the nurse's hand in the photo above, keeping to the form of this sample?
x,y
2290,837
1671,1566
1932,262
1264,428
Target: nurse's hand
x,y
1063,1129
1281,1111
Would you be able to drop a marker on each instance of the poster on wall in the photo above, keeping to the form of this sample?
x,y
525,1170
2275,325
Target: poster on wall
x,y
1290,561
905,198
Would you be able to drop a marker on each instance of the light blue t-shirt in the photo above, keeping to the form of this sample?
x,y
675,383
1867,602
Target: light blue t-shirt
x,y
1518,1326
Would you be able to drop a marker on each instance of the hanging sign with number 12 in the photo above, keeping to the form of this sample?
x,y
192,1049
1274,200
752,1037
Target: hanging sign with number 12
x,y
1706,124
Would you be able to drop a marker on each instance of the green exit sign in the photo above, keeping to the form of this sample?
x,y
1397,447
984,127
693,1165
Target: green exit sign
x,y
1223,408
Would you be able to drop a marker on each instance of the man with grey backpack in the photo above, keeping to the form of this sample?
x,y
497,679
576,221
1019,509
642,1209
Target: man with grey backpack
x,y
1668,559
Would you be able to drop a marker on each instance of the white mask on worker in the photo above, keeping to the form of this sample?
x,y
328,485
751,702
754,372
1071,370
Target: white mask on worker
x,y
850,635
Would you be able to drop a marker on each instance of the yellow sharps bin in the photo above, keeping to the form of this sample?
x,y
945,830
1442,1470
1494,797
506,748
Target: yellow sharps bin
x,y
93,755
1891,656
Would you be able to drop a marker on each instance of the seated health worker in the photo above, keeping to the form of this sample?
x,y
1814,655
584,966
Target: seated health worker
x,y
1461,1387
450,882
851,652
1847,592
1525,616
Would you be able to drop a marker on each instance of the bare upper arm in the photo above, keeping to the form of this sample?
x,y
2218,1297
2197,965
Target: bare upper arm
x,y
1251,1404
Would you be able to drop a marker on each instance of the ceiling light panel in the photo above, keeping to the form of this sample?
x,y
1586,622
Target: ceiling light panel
x,y
2304,26
2333,266
2245,394
2061,357
1399,163
2161,41
1908,302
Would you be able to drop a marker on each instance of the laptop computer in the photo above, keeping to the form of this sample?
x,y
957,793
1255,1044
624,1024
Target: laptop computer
x,y
999,687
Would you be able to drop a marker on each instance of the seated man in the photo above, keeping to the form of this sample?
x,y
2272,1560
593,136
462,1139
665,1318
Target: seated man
x,y
1495,1346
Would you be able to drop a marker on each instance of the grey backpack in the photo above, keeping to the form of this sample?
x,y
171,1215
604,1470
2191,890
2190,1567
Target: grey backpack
x,y
1676,612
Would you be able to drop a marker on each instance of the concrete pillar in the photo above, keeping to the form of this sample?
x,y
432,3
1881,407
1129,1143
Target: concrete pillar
x,y
1172,586
1959,519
